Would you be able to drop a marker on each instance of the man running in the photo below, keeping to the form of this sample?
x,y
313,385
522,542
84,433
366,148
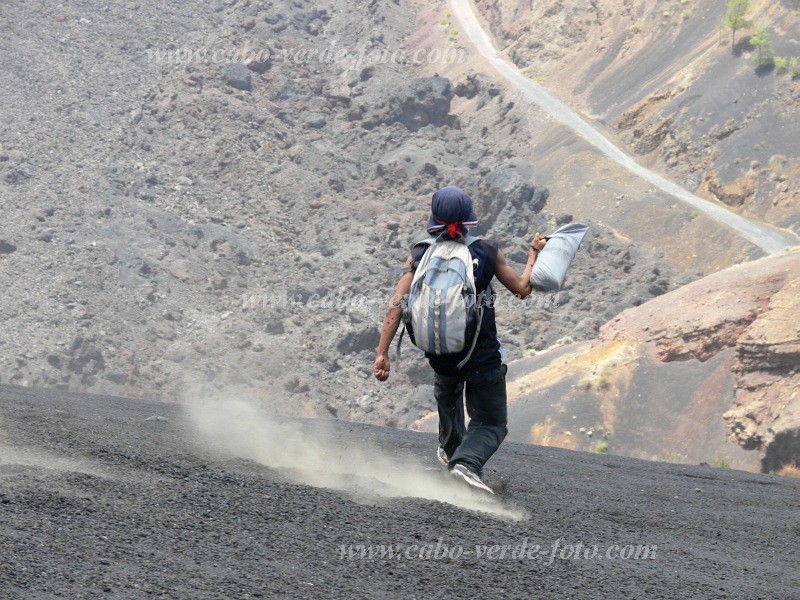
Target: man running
x,y
464,450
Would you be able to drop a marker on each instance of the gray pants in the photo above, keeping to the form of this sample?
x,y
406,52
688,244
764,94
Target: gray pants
x,y
486,407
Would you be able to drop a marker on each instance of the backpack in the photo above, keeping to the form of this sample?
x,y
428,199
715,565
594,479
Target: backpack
x,y
442,312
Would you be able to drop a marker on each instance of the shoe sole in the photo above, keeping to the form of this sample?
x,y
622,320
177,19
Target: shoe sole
x,y
471,482
442,461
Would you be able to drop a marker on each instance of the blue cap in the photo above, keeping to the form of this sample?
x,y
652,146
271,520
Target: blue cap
x,y
451,206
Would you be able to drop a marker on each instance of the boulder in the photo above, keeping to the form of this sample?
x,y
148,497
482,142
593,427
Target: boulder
x,y
508,185
238,76
422,101
358,341
510,204
468,88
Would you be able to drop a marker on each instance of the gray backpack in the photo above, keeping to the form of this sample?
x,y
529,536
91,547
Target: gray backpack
x,y
441,313
553,261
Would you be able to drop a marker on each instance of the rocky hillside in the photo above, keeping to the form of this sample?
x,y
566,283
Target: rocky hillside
x,y
704,373
677,87
168,211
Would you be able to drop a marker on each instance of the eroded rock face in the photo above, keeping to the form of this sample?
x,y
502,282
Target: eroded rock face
x,y
753,308
733,194
766,411
704,338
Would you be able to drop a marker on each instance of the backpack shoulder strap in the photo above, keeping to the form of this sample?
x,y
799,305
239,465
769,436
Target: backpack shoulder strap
x,y
471,239
468,240
426,242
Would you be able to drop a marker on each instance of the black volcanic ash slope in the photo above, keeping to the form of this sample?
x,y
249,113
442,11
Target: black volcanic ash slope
x,y
98,497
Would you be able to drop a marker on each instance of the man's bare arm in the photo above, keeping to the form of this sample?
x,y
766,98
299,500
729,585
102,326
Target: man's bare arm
x,y
391,322
519,285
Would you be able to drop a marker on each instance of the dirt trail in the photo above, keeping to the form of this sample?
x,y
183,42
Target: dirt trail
x,y
766,237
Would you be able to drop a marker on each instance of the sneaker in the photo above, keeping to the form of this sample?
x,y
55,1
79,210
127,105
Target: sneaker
x,y
442,456
463,472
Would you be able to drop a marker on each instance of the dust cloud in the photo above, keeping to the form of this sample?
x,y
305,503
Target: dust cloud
x,y
317,454
12,456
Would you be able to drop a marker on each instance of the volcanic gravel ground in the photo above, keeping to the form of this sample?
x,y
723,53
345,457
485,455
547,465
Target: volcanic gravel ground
x,y
95,498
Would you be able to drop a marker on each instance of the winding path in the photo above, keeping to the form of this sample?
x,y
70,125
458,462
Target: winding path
x,y
769,239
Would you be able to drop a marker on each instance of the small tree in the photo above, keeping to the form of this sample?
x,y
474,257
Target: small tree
x,y
735,19
762,42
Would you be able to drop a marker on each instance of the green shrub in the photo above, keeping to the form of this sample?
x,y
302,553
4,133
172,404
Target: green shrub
x,y
776,163
601,448
604,380
781,65
723,462
794,67
762,42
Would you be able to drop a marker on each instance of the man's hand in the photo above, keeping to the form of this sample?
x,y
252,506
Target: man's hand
x,y
519,285
381,367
